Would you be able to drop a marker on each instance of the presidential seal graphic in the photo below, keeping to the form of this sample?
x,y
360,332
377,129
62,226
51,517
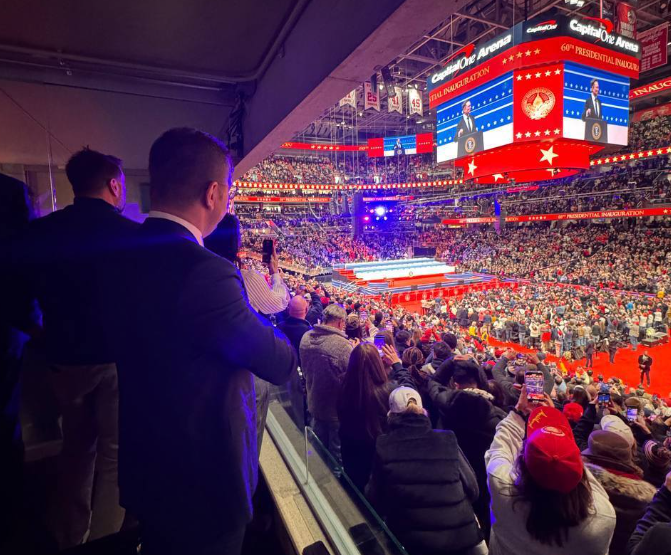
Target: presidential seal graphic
x,y
470,145
596,131
538,103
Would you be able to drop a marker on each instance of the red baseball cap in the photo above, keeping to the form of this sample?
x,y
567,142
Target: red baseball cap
x,y
573,411
550,452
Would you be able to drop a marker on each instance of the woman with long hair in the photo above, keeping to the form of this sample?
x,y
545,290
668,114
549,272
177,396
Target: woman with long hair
x,y
363,406
543,499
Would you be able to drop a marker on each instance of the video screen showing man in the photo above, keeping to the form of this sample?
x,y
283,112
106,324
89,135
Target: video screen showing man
x,y
466,123
398,147
593,104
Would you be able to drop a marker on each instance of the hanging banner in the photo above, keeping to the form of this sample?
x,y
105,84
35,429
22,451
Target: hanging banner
x,y
313,146
396,101
371,97
602,214
654,47
349,100
415,102
625,17
655,88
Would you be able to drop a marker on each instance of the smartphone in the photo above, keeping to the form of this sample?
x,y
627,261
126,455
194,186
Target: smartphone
x,y
604,398
363,316
534,381
632,414
379,342
267,250
389,326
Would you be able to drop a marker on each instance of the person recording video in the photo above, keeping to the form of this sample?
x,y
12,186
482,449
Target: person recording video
x,y
466,124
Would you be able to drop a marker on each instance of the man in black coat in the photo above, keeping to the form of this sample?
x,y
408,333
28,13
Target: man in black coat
x,y
295,326
644,365
64,258
188,346
467,410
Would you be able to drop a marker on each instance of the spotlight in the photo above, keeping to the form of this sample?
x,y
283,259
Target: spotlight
x,y
366,218
380,211
385,218
377,218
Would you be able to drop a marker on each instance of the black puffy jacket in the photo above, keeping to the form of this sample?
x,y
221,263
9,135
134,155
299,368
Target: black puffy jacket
x,y
471,415
423,486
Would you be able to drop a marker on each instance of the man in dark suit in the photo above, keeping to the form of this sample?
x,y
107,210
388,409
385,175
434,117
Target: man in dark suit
x,y
466,124
593,103
295,326
63,257
644,365
188,346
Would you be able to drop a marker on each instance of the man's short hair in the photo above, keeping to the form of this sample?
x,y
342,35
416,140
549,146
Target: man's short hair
x,y
441,350
334,312
183,162
89,171
591,83
402,337
463,104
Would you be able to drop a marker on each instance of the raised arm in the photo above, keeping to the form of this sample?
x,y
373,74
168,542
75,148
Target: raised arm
x,y
224,325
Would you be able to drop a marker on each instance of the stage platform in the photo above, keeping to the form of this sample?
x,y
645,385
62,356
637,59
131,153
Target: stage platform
x,y
410,280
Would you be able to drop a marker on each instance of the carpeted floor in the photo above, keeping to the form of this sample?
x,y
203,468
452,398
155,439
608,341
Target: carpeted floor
x,y
625,366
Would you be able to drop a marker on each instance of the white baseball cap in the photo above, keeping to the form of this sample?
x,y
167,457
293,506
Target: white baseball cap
x,y
401,397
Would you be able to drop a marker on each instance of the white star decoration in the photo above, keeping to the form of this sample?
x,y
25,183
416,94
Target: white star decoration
x,y
472,167
497,176
548,155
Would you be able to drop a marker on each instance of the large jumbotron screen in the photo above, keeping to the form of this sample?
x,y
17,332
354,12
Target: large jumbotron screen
x,y
563,77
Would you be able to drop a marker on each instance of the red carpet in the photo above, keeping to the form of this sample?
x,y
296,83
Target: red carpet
x,y
625,366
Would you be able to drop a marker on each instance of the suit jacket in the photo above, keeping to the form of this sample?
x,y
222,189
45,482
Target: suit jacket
x,y
462,125
644,364
589,104
188,345
63,257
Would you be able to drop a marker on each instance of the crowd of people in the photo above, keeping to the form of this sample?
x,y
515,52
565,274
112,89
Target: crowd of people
x,y
437,427
158,339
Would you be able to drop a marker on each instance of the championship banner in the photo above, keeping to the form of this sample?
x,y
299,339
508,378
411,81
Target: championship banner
x,y
655,112
625,16
654,47
415,102
658,87
395,102
335,148
537,111
602,214
371,97
349,100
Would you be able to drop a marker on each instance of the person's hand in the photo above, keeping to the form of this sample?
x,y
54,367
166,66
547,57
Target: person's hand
x,y
389,355
546,402
509,353
273,265
461,132
588,113
533,358
523,404
641,423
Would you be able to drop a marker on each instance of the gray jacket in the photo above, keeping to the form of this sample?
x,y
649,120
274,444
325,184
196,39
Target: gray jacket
x,y
324,354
